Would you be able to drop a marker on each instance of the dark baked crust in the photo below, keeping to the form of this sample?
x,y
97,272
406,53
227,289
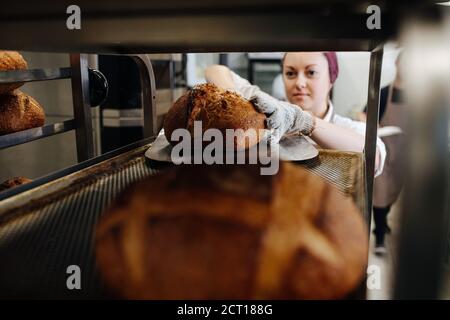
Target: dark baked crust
x,y
176,117
215,108
13,182
19,111
11,60
226,232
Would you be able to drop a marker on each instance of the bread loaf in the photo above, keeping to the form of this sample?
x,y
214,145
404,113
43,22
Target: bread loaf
x,y
13,182
18,111
227,232
215,108
11,60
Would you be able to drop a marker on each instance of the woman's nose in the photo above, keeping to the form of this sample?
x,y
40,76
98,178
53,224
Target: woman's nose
x,y
301,81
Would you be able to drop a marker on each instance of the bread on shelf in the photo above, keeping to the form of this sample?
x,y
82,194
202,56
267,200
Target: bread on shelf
x,y
13,182
19,111
11,60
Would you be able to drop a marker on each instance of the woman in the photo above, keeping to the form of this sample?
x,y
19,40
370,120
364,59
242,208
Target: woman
x,y
308,78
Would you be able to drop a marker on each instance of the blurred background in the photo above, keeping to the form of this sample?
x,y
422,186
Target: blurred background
x,y
116,121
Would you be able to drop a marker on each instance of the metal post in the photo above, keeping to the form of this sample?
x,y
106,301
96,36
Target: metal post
x,y
424,218
250,70
223,59
81,106
148,94
373,105
172,78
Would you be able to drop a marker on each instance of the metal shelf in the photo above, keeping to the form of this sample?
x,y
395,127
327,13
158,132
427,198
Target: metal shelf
x,y
32,75
137,26
82,123
32,134
35,75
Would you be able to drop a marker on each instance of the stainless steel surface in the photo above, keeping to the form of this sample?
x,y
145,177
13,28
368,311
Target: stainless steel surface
x,y
148,94
122,113
159,7
48,130
122,122
82,123
424,215
373,106
291,148
297,148
81,106
137,26
34,75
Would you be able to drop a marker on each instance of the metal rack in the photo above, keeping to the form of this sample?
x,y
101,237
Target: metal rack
x,y
56,220
240,25
78,72
81,123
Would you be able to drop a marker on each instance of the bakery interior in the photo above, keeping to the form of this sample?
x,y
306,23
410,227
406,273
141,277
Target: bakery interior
x,y
92,102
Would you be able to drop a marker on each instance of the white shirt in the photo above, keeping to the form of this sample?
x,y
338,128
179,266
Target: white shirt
x,y
247,90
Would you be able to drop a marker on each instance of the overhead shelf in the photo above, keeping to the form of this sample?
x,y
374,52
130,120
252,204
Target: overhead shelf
x,y
197,26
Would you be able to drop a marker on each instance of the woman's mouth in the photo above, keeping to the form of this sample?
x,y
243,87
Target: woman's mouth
x,y
300,95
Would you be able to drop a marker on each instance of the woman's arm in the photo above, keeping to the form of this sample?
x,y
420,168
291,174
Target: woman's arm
x,y
220,76
331,136
326,134
226,79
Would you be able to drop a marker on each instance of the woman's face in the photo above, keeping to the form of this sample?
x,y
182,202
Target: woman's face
x,y
307,80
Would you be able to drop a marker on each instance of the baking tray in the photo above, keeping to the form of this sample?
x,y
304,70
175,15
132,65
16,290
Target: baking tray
x,y
291,148
51,226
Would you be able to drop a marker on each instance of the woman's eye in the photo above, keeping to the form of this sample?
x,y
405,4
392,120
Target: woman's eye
x,y
289,73
311,73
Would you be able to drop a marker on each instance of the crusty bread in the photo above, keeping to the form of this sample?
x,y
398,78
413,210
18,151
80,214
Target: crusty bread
x,y
11,60
13,182
19,111
215,108
227,232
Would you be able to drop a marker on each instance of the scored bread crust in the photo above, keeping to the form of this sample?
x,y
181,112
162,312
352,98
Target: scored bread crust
x,y
218,109
19,111
11,60
14,182
227,232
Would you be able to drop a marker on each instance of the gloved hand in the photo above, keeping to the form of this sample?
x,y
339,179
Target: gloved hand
x,y
283,117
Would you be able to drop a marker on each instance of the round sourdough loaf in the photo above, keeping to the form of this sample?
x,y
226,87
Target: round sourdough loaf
x,y
11,60
14,182
218,109
227,232
19,111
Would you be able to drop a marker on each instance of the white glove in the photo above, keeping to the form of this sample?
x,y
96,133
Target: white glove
x,y
283,117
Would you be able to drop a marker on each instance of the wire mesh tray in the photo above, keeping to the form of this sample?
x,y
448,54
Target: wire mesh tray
x,y
48,228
